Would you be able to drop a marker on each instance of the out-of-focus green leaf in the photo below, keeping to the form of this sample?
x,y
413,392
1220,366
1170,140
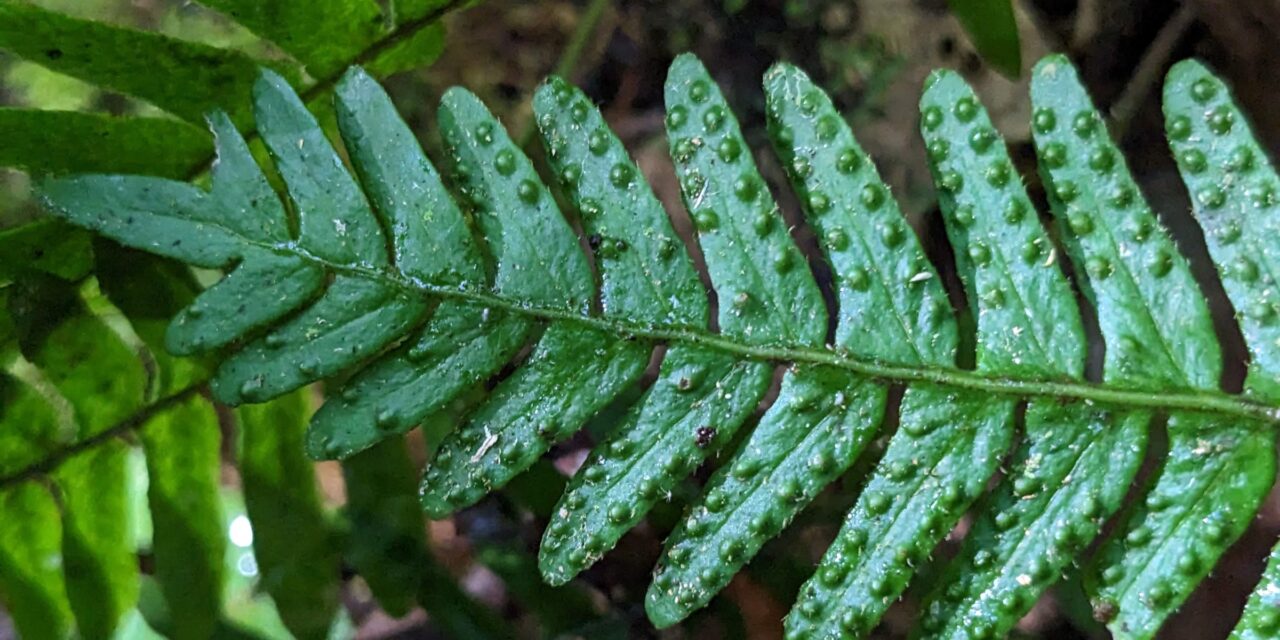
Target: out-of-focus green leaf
x,y
33,84
325,35
387,545
388,542
408,11
98,556
29,426
61,338
994,31
295,547
69,141
418,50
248,611
559,610
47,245
8,333
149,290
188,542
186,79
31,563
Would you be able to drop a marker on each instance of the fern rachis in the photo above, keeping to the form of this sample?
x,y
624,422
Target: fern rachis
x,y
440,312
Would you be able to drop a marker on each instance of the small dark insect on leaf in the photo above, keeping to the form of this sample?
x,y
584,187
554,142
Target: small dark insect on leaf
x,y
704,435
594,241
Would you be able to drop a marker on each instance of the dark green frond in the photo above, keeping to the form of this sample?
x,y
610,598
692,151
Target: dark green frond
x,y
471,305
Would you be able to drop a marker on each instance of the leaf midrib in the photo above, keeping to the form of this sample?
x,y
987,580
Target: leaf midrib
x,y
54,459
1216,403
1206,402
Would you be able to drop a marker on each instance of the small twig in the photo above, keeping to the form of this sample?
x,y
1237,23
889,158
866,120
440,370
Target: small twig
x,y
1147,74
568,62
581,37
1088,17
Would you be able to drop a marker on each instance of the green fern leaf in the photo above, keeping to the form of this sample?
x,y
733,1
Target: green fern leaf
x,y
384,285
745,244
699,398
182,445
944,453
1027,319
860,229
390,396
667,435
770,295
1067,481
223,227
56,333
865,238
356,316
1063,482
1172,540
30,547
570,376
1151,313
32,430
1213,481
293,542
98,558
816,428
1233,188
387,544
1155,322
574,373
53,142
646,273
467,341
1261,618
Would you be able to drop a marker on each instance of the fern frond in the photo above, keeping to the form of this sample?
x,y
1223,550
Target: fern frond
x,y
385,285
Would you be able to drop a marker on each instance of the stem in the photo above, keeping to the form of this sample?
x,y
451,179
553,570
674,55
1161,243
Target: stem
x,y
56,458
582,32
1153,64
1216,402
401,33
581,36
